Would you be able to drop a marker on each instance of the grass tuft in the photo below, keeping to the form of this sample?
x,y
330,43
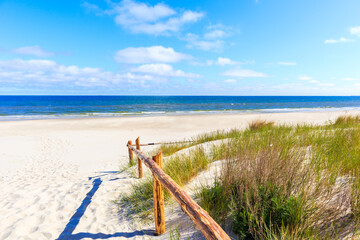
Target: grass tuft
x,y
180,168
346,120
259,124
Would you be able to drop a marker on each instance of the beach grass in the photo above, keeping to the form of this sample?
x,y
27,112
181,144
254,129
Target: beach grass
x,y
276,181
140,198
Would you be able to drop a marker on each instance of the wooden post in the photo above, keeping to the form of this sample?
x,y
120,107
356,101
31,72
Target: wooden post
x,y
158,200
131,154
139,161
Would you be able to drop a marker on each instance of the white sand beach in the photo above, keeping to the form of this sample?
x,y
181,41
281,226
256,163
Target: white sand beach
x,y
59,178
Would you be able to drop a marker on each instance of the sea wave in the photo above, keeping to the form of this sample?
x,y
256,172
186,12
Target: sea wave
x,y
165,113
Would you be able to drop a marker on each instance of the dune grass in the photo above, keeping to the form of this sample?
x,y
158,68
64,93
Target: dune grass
x,y
277,182
258,124
283,182
180,168
169,149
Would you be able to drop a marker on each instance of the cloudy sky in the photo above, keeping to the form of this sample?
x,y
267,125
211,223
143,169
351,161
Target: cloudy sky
x,y
187,47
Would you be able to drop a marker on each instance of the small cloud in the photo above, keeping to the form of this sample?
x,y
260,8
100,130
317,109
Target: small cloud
x,y
232,81
211,40
351,79
313,81
318,83
93,8
195,41
225,61
215,34
340,40
355,31
158,54
305,78
165,70
326,84
33,50
244,73
218,31
287,63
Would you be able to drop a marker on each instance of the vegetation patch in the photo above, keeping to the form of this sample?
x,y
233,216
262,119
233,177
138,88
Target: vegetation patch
x,y
277,181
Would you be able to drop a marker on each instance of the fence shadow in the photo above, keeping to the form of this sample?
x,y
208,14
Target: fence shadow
x,y
67,233
82,235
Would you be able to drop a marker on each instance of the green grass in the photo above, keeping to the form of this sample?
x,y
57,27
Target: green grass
x,y
277,181
180,168
169,149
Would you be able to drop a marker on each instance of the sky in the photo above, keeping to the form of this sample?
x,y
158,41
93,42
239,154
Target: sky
x,y
128,47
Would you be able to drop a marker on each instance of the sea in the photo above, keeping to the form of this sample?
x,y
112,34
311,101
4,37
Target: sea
x,y
45,107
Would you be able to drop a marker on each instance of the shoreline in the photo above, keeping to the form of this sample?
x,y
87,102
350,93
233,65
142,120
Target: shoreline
x,y
91,115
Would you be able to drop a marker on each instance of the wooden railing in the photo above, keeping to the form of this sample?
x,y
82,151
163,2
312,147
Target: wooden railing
x,y
200,217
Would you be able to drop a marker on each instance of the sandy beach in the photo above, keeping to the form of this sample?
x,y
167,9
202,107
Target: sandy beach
x,y
59,178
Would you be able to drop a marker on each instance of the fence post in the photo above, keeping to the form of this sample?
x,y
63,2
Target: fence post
x,y
131,154
158,200
139,161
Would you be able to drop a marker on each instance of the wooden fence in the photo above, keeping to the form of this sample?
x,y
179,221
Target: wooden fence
x,y
200,217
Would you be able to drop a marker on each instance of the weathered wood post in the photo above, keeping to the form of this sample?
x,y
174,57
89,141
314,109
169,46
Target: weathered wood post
x,y
131,154
139,161
158,200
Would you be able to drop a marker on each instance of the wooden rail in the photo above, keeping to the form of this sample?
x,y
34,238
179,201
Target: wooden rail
x,y
200,217
159,143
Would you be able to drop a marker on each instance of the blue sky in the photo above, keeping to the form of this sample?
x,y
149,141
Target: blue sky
x,y
247,47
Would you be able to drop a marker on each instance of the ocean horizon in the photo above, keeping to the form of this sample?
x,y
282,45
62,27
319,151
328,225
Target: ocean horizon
x,y
21,107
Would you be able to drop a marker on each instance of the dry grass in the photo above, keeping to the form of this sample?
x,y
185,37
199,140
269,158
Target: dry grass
x,y
300,182
345,120
258,124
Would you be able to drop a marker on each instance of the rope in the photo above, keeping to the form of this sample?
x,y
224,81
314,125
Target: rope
x,y
159,143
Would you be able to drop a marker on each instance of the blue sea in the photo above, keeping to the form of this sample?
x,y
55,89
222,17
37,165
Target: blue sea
x,y
42,107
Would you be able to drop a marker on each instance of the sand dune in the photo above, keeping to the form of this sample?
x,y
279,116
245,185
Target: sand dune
x,y
58,178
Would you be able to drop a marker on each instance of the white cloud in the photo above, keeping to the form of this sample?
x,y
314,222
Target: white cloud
x,y
225,61
165,70
220,61
33,50
233,81
305,78
244,73
355,31
351,79
314,81
287,63
326,84
215,34
210,40
218,31
194,41
158,54
340,40
131,12
159,19
93,8
47,72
